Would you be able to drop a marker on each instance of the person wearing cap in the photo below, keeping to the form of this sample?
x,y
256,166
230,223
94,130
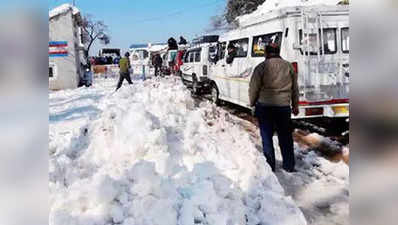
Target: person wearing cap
x,y
231,49
273,91
124,65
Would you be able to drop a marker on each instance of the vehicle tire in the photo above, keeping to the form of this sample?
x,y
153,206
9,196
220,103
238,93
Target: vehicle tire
x,y
214,94
195,85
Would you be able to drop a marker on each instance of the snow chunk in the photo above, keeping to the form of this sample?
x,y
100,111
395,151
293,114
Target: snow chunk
x,y
64,8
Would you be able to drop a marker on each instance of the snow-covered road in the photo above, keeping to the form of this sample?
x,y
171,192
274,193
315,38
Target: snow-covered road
x,y
146,155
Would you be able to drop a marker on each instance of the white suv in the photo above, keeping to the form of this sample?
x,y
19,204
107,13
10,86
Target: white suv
x,y
197,62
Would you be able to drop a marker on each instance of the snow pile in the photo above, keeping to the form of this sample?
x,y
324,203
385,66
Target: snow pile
x,y
320,187
151,157
270,5
64,8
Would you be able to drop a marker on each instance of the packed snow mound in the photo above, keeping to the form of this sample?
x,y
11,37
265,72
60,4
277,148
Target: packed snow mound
x,y
270,5
152,157
64,8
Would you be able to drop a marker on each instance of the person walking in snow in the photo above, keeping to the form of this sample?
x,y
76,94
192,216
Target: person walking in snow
x,y
273,91
124,65
157,62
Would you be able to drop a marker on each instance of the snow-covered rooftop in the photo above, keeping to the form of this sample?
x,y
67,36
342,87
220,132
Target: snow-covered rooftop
x,y
63,9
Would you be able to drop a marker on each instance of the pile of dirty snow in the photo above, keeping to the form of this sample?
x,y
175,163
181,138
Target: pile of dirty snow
x,y
146,155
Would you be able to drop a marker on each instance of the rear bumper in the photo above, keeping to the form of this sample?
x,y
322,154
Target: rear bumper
x,y
341,110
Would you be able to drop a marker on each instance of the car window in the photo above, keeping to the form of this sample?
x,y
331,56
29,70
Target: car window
x,y
241,46
329,41
191,56
345,40
222,49
186,57
197,55
259,43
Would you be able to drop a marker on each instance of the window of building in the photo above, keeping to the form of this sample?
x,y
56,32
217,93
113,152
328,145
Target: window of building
x,y
241,46
259,43
345,40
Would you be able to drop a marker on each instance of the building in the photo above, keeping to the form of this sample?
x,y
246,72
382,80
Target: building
x,y
66,51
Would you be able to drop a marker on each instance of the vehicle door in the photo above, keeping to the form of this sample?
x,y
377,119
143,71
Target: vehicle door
x,y
218,72
237,71
197,63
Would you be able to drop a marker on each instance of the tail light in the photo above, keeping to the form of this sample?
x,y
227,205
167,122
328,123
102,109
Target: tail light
x,y
314,111
295,67
204,70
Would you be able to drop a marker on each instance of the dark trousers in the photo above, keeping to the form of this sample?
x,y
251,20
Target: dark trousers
x,y
157,71
274,118
121,78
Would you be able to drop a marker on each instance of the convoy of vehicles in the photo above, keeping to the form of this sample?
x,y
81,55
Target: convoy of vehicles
x,y
314,39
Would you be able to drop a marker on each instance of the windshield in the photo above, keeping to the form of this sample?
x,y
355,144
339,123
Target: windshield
x,y
345,40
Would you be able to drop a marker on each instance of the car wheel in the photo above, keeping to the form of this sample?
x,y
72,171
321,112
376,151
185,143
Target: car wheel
x,y
214,94
195,85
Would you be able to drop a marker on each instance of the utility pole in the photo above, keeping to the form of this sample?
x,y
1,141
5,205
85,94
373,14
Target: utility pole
x,y
73,3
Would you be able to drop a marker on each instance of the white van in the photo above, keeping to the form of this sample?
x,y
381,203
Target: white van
x,y
320,58
141,57
197,60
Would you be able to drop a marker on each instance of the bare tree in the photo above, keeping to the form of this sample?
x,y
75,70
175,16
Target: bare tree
x,y
93,30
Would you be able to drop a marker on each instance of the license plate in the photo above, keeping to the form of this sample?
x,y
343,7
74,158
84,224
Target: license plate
x,y
340,110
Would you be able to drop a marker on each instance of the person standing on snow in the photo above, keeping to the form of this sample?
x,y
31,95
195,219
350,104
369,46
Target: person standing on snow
x,y
172,43
183,41
124,65
157,62
273,90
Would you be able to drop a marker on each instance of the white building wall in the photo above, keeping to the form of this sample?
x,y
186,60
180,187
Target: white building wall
x,y
67,69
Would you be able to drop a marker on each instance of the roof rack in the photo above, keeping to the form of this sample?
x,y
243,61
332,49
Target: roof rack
x,y
205,39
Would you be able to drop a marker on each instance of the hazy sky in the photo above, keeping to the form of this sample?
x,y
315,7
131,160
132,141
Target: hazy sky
x,y
136,21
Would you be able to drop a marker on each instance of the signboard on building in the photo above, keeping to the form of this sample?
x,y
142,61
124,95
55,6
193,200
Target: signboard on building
x,y
58,49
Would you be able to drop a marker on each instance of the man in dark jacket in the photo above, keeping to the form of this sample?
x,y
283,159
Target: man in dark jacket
x,y
172,44
182,41
157,63
124,65
273,90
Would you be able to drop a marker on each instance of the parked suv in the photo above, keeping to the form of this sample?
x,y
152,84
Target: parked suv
x,y
197,62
